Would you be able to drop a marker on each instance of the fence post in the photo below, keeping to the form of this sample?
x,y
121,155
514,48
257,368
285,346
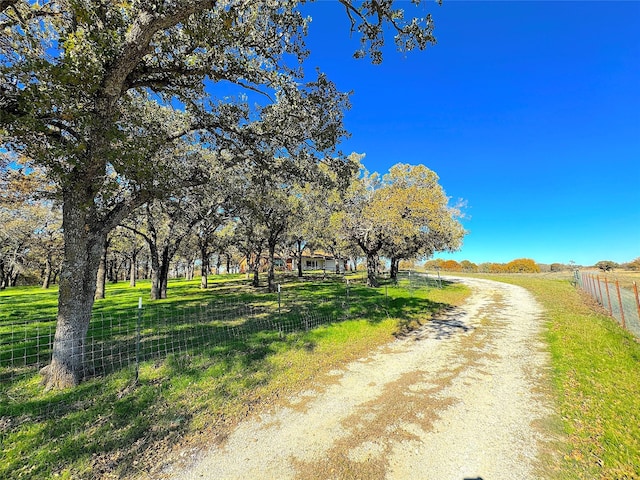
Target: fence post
x,y
279,304
600,291
624,324
635,290
347,294
606,286
138,338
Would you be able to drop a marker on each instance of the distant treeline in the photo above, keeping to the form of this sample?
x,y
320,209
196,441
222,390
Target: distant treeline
x,y
523,265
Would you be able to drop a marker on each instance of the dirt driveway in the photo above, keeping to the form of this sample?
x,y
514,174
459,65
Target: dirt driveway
x,y
462,398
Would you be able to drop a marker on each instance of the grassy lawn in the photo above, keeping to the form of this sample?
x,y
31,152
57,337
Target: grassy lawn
x,y
112,427
596,375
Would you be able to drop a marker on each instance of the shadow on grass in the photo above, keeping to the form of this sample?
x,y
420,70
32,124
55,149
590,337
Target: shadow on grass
x,y
192,359
119,337
102,426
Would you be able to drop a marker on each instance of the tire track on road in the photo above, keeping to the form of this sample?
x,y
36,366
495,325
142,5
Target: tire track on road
x,y
458,398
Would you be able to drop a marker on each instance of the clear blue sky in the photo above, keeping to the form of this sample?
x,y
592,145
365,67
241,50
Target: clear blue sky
x,y
529,111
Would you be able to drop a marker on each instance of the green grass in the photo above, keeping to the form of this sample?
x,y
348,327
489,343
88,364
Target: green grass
x,y
110,427
596,376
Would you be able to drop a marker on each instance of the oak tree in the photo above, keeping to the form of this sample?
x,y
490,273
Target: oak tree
x,y
99,92
403,215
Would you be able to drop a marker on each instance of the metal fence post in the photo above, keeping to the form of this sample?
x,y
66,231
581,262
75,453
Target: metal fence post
x,y
635,290
624,323
138,338
279,304
606,286
600,291
347,294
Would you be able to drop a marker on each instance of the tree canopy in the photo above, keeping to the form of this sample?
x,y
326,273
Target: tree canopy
x,y
405,214
116,101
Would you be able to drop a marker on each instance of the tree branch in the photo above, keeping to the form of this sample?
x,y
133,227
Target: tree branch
x,y
137,45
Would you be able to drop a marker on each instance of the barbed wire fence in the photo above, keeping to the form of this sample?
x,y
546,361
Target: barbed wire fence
x,y
623,304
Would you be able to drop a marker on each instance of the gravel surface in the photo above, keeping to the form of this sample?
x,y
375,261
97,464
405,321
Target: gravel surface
x,y
464,397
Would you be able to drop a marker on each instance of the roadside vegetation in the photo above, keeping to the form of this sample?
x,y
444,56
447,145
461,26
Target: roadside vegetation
x,y
596,372
112,426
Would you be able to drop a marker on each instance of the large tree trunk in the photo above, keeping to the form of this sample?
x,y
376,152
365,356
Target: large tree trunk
x,y
372,268
163,284
164,272
56,271
147,272
299,257
204,256
155,273
191,268
101,277
155,284
393,272
110,272
83,246
46,277
256,269
271,277
159,271
133,269
159,281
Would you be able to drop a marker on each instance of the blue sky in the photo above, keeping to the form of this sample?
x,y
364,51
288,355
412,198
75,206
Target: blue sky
x,y
529,111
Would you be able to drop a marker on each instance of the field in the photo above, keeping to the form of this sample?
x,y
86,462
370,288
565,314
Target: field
x,y
625,277
114,426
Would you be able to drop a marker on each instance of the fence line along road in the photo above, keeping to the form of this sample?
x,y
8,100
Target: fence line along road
x,y
623,304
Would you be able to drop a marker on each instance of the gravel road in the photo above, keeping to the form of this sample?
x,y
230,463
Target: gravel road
x,y
462,398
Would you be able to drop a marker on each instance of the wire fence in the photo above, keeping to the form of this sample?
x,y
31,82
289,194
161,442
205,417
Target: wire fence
x,y
136,359
114,342
623,304
120,341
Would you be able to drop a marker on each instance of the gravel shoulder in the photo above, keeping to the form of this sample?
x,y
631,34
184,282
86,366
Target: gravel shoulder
x,y
464,397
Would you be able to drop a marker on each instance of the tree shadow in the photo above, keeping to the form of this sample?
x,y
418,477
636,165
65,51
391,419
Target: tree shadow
x,y
216,351
447,323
